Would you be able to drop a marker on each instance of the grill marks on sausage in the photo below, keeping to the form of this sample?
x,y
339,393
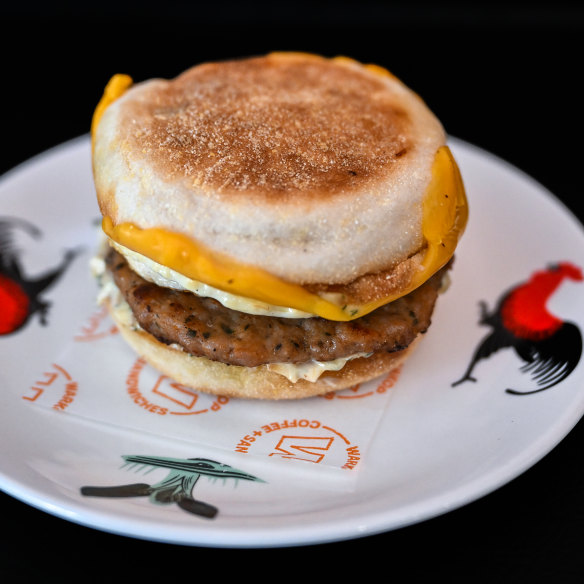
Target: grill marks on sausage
x,y
204,327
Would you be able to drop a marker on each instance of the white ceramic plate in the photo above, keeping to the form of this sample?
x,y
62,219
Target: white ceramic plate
x,y
438,447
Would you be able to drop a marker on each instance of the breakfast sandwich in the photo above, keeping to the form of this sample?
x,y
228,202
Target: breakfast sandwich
x,y
275,227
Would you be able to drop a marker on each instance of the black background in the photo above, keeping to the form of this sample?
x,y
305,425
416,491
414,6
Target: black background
x,y
504,76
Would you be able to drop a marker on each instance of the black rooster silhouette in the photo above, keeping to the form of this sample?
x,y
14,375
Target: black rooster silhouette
x,y
550,347
20,296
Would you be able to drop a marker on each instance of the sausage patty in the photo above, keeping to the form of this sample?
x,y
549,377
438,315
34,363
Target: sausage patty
x,y
205,328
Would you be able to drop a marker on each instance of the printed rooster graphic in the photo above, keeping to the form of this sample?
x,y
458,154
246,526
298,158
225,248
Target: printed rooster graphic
x,y
20,295
549,347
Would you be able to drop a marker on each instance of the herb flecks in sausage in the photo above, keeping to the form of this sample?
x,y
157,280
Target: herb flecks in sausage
x,y
204,327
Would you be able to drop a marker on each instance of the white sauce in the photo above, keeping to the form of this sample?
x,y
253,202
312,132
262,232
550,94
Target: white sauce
x,y
312,370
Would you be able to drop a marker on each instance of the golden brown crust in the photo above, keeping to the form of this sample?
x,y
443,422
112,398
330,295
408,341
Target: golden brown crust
x,y
217,378
317,177
277,127
374,286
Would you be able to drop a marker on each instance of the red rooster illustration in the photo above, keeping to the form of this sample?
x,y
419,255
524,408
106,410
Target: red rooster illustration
x,y
550,347
20,296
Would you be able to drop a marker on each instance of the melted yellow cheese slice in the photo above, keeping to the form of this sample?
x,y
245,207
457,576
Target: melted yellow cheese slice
x,y
115,88
445,214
